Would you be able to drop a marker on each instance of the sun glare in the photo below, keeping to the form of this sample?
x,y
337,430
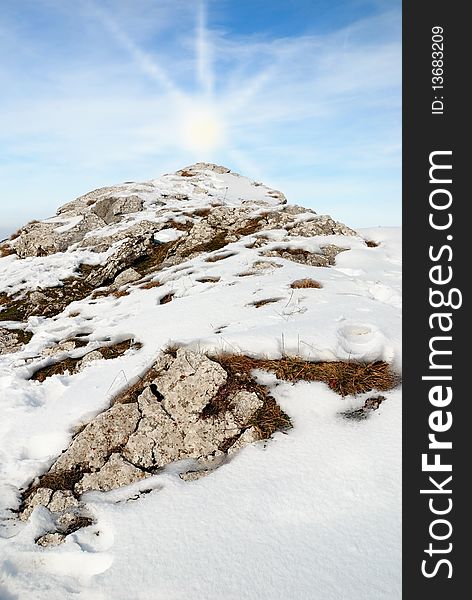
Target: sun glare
x,y
201,129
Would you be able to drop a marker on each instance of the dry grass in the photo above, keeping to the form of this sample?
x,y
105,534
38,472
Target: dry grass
x,y
345,378
180,226
167,298
60,480
371,243
208,279
120,293
186,174
59,368
268,419
201,212
306,283
6,250
153,259
259,303
150,284
116,350
14,310
251,226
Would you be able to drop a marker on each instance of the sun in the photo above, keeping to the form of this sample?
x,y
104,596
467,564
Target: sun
x,y
200,121
202,128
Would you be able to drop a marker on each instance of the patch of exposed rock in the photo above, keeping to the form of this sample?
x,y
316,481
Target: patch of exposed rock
x,y
314,259
187,407
71,356
12,340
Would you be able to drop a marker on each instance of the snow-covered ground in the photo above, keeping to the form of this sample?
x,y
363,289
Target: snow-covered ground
x,y
311,514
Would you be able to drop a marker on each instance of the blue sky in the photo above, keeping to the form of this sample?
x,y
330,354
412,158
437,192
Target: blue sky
x,y
304,95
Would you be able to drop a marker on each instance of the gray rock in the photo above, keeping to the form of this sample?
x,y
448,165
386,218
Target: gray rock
x,y
62,500
157,440
188,385
116,472
126,276
92,447
111,209
244,405
87,359
249,436
42,238
168,421
51,539
39,497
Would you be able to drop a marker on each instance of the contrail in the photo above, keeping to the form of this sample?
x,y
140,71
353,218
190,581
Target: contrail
x,y
141,58
203,51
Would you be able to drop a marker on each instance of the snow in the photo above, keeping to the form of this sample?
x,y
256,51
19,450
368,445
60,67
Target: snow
x,y
67,223
314,513
46,271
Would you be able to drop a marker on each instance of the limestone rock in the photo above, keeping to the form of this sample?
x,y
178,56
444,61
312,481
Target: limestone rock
x,y
91,448
62,500
40,497
186,409
51,539
88,358
116,472
47,237
249,436
189,384
244,405
126,276
111,209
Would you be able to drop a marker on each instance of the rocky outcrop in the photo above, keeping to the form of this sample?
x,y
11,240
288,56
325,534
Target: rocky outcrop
x,y
191,212
188,406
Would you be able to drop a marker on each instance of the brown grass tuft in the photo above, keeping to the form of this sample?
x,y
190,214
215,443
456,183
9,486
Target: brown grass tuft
x,y
120,293
180,226
150,284
201,212
371,243
208,279
306,283
6,250
345,378
259,303
154,258
167,298
268,419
